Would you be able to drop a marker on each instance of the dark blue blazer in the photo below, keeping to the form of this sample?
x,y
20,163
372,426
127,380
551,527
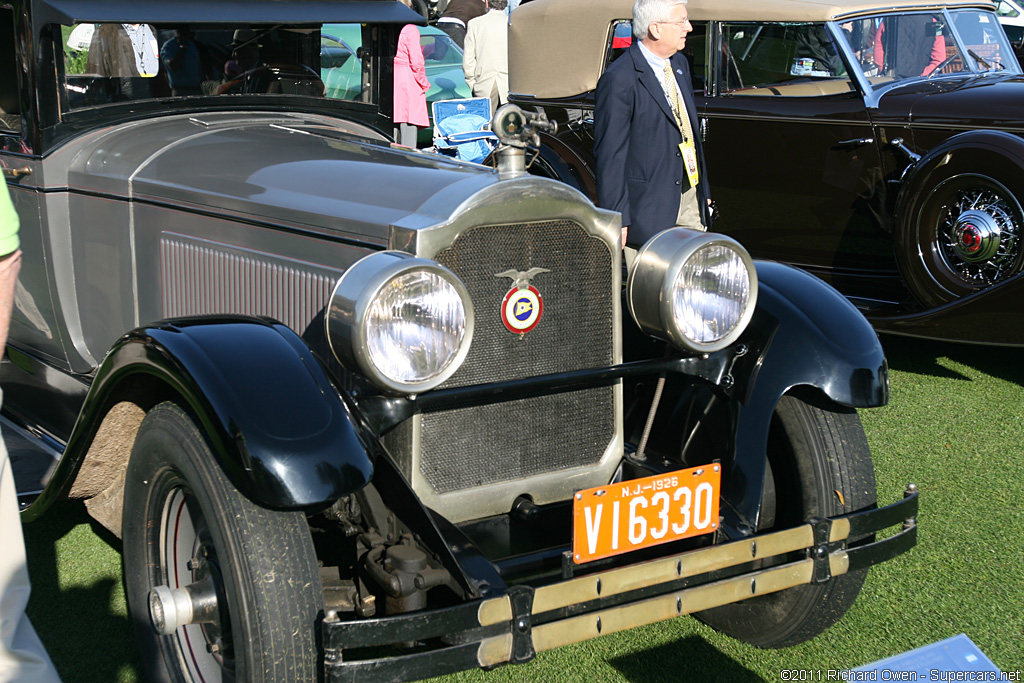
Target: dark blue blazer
x,y
640,170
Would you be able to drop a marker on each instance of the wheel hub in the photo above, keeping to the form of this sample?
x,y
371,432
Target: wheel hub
x,y
976,235
172,608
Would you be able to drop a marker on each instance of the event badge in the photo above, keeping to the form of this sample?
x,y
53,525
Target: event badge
x,y
689,152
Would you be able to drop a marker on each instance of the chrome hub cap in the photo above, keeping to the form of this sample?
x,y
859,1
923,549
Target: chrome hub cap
x,y
979,235
186,608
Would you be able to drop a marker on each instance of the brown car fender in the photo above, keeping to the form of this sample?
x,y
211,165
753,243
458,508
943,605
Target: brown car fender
x,y
993,156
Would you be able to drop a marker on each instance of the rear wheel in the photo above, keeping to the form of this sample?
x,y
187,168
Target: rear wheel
x,y
819,466
219,589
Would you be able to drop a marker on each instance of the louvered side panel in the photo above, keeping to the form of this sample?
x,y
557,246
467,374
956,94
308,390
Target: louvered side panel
x,y
201,278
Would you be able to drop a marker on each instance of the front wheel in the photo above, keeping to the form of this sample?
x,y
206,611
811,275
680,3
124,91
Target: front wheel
x,y
819,465
219,589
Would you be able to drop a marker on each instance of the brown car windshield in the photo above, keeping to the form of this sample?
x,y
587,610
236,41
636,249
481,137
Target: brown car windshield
x,y
895,47
113,63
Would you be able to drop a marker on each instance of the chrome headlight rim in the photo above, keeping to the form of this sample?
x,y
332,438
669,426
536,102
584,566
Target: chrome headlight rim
x,y
651,286
350,304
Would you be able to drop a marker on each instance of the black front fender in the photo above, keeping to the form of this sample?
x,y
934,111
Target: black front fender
x,y
817,338
281,431
813,338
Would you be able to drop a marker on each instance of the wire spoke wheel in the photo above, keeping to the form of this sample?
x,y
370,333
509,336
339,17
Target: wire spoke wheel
x,y
970,235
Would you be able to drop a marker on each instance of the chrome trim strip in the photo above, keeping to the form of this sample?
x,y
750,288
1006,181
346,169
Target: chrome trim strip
x,y
588,626
494,651
846,16
495,611
781,119
839,563
668,569
840,530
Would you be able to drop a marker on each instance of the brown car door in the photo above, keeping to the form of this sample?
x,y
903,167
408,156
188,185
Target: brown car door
x,y
792,159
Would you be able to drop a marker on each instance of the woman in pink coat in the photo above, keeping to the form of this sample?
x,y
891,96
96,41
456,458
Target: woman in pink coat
x,y
411,86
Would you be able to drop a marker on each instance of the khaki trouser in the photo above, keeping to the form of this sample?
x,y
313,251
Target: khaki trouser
x,y
22,655
689,212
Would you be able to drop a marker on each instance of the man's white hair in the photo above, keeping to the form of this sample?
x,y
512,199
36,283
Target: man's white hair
x,y
647,12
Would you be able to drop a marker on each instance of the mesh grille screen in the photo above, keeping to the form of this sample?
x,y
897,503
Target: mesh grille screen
x,y
467,448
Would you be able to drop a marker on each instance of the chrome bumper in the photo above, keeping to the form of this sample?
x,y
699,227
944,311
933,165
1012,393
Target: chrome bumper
x,y
513,627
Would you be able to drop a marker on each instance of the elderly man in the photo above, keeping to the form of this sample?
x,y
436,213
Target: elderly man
x,y
485,59
650,165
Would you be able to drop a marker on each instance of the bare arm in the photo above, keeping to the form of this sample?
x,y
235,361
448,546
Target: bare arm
x,y
10,265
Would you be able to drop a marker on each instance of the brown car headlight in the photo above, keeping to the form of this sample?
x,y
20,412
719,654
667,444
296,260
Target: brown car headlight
x,y
695,290
404,322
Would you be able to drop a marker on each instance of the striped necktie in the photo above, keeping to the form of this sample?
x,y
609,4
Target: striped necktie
x,y
678,109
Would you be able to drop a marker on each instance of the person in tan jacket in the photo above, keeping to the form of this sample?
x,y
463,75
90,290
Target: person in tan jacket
x,y
485,59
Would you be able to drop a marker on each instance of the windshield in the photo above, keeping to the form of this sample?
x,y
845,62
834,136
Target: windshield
x,y
1005,9
897,47
113,63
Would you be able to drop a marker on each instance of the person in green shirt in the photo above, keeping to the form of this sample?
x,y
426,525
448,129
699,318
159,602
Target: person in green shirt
x,y
8,226
22,655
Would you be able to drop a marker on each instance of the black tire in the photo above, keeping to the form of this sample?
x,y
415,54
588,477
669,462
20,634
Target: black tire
x,y
179,505
815,453
548,163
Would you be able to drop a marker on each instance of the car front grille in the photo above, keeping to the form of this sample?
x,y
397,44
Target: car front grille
x,y
472,447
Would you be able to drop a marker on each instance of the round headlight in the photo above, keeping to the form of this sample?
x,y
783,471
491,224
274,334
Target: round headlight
x,y
404,322
696,290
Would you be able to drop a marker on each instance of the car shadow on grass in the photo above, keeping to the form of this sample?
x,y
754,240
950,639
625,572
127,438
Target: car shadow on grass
x,y
921,356
704,662
83,624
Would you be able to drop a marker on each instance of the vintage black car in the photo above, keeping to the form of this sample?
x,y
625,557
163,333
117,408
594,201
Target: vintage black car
x,y
334,394
827,148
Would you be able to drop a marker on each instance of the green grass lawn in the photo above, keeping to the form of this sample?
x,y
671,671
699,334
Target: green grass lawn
x,y
954,427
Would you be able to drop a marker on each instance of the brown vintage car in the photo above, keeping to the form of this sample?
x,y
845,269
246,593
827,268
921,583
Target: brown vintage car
x,y
896,178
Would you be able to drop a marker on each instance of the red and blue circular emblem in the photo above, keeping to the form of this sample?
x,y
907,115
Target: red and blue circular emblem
x,y
521,309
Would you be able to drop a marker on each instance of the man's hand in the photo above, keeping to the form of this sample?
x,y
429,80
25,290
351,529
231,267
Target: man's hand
x,y
625,229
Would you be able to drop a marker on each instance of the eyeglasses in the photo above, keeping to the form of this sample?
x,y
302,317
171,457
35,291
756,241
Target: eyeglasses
x,y
680,24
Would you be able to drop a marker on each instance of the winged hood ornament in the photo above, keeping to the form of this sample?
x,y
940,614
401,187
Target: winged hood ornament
x,y
523,306
521,278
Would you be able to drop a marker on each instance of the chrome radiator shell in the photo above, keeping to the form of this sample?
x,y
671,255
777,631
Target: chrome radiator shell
x,y
473,462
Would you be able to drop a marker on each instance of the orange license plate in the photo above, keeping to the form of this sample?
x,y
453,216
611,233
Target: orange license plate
x,y
619,518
